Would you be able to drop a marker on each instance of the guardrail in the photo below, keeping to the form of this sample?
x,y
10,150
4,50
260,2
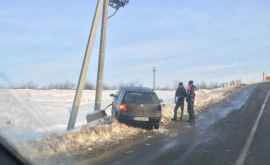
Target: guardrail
x,y
97,114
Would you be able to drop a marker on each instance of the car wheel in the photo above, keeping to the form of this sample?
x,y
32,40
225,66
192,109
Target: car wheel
x,y
148,126
117,115
114,115
156,125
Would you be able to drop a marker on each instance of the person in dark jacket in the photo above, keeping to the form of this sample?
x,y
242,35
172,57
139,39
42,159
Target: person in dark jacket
x,y
190,100
180,95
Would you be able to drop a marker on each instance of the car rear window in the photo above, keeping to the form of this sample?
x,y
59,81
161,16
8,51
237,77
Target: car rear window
x,y
141,98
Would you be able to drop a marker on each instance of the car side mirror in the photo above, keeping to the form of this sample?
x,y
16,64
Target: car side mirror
x,y
113,95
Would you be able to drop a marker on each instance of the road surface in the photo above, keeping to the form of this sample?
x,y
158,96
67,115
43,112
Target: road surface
x,y
214,140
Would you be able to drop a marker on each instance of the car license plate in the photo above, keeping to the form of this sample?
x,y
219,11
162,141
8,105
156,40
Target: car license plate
x,y
141,118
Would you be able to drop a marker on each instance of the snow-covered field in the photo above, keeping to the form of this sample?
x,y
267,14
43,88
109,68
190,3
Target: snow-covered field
x,y
31,113
28,115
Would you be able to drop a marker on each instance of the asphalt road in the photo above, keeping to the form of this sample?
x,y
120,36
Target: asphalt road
x,y
214,140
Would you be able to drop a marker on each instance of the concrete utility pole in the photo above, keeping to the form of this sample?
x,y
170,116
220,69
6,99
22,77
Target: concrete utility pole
x,y
263,76
85,66
154,78
100,75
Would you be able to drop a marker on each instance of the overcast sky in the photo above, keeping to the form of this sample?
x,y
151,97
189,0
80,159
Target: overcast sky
x,y
44,41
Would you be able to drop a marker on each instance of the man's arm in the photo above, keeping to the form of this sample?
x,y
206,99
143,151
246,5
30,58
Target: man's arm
x,y
185,92
176,95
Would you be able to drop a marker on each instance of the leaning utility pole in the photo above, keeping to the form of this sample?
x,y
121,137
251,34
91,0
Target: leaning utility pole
x,y
85,66
100,75
116,5
154,78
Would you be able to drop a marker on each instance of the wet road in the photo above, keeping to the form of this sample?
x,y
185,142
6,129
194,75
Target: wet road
x,y
219,137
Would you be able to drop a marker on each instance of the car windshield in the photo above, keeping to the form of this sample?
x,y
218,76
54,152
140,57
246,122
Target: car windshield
x,y
141,98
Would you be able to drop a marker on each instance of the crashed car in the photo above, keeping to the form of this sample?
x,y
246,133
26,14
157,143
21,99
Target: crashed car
x,y
137,105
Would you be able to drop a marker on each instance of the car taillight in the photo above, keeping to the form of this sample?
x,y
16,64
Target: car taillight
x,y
123,107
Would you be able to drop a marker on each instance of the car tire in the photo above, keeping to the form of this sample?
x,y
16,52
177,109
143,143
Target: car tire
x,y
117,115
156,125
148,126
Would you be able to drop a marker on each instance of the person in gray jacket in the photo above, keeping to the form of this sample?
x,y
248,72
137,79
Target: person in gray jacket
x,y
190,100
180,96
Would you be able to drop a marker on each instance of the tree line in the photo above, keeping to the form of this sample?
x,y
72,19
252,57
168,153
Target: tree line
x,y
89,86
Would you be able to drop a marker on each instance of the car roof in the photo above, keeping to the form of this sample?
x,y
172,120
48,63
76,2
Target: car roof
x,y
136,89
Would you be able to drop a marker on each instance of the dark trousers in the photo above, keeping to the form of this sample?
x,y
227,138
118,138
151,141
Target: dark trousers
x,y
180,104
191,110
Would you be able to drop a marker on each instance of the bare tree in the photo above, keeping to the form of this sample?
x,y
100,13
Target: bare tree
x,y
28,85
89,86
65,85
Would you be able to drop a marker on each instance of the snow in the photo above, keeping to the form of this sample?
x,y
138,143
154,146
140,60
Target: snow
x,y
31,115
40,112
46,111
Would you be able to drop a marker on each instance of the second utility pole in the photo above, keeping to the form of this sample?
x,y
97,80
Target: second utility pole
x,y
100,74
154,78
84,69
